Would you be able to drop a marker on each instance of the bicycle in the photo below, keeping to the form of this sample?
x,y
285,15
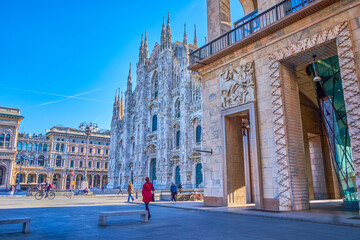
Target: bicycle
x,y
40,194
196,196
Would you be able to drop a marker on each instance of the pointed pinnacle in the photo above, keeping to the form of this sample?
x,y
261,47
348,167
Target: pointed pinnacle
x,y
195,37
129,77
185,35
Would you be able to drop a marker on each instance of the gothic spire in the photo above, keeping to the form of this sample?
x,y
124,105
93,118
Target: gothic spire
x,y
115,101
195,37
141,52
118,100
121,107
185,42
168,32
163,34
129,81
146,47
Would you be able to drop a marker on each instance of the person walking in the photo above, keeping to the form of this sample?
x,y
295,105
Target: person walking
x,y
180,187
120,190
147,189
12,190
130,191
173,191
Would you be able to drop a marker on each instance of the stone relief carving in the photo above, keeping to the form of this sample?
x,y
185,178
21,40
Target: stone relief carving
x,y
237,86
341,34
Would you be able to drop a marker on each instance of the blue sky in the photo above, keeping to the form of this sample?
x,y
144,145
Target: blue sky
x,y
61,61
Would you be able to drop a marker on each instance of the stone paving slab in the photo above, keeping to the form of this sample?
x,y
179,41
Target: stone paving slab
x,y
78,219
342,219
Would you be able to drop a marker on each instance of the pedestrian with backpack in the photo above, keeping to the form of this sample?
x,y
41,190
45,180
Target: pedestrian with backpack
x,y
173,190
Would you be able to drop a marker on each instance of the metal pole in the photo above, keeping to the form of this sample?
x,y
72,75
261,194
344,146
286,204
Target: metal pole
x,y
87,155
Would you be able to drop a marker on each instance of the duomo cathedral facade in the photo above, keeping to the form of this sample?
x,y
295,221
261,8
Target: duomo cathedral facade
x,y
156,128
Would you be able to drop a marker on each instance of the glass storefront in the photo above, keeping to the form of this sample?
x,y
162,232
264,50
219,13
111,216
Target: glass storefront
x,y
331,101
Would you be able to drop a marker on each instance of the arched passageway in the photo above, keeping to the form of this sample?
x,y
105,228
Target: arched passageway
x,y
97,181
31,178
42,178
2,175
56,181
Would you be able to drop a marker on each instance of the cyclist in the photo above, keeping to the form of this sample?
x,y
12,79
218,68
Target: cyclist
x,y
47,188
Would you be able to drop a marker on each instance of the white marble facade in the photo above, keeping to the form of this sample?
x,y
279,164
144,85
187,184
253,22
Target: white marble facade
x,y
156,128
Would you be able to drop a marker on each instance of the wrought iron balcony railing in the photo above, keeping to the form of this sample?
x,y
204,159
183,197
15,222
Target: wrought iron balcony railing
x,y
247,28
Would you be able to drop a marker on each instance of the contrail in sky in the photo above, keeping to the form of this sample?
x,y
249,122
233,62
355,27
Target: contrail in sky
x,y
61,100
61,95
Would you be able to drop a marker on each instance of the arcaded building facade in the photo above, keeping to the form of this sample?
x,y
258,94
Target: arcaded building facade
x,y
10,119
281,103
53,157
156,128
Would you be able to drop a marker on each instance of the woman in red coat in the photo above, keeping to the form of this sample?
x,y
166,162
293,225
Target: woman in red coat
x,y
147,194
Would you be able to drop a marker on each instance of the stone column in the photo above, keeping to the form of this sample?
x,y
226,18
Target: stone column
x,y
218,18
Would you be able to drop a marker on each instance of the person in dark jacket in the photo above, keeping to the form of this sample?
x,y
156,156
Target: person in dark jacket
x,y
180,187
173,190
147,190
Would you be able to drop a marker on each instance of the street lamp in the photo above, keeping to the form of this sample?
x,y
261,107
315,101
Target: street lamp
x,y
20,161
89,128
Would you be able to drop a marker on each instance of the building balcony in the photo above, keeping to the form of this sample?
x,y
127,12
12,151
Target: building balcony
x,y
253,28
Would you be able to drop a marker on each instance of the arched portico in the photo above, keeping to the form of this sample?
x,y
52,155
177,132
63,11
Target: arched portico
x,y
56,182
97,181
2,175
42,178
79,179
104,180
31,178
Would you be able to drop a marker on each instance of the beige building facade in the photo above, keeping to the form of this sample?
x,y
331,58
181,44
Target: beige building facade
x,y
281,99
58,154
10,119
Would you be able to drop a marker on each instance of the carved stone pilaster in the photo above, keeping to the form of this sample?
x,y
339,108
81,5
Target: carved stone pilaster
x,y
341,34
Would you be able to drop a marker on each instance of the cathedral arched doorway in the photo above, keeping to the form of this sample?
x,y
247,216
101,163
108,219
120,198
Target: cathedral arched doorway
x,y
199,175
153,170
177,175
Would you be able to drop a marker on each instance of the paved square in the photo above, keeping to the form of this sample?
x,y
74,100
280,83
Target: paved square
x,y
77,218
